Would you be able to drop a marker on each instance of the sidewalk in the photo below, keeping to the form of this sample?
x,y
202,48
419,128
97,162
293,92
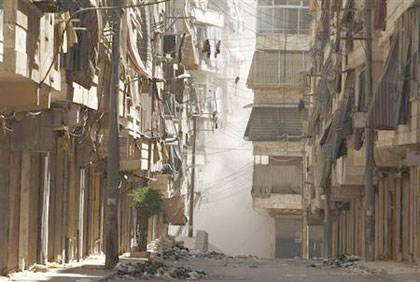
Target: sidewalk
x,y
392,271
88,270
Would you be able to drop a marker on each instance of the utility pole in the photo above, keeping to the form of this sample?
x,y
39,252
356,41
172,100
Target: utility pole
x,y
369,190
113,169
191,213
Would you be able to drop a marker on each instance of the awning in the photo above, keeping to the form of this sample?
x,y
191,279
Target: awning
x,y
81,57
333,139
389,105
129,45
189,50
190,56
275,124
267,69
383,110
325,132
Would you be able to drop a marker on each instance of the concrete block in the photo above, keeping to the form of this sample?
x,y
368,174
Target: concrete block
x,y
140,255
202,241
188,242
198,243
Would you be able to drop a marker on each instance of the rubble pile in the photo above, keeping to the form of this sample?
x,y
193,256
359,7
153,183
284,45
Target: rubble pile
x,y
343,261
180,253
150,269
177,252
161,244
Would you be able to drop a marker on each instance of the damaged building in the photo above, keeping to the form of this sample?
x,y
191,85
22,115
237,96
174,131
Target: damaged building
x,y
55,75
277,116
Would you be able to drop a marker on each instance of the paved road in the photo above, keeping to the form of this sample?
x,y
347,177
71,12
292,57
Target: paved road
x,y
249,269
252,269
291,271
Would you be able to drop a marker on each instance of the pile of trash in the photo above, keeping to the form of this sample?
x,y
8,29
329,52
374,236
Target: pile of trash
x,y
150,269
342,261
181,253
176,252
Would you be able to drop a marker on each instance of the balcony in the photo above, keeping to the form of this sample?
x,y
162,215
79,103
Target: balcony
x,y
288,203
134,154
278,187
398,145
276,179
285,149
349,169
27,47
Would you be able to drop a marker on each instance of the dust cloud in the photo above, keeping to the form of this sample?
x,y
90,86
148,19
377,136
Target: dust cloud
x,y
225,207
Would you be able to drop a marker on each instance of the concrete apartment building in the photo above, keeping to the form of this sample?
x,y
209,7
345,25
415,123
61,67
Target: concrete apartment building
x,y
335,161
277,116
55,74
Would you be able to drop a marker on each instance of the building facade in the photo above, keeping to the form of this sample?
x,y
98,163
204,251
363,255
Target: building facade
x,y
277,116
55,75
340,107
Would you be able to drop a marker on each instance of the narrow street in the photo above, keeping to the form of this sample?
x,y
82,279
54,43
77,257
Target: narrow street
x,y
209,140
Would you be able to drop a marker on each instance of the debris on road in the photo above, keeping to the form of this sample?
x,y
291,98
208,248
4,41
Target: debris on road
x,y
150,269
176,252
180,253
215,255
343,261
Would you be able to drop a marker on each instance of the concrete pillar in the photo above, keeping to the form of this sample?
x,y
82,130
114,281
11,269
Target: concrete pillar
x,y
24,210
405,216
327,227
398,222
4,201
305,235
45,207
14,195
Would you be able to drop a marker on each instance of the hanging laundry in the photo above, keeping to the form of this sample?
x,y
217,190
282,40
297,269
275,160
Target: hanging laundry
x,y
218,45
207,48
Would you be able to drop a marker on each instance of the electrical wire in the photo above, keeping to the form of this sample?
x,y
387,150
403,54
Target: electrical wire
x,y
218,182
232,185
61,38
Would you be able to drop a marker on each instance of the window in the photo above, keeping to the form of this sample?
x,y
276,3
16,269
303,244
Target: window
x,y
283,16
261,160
